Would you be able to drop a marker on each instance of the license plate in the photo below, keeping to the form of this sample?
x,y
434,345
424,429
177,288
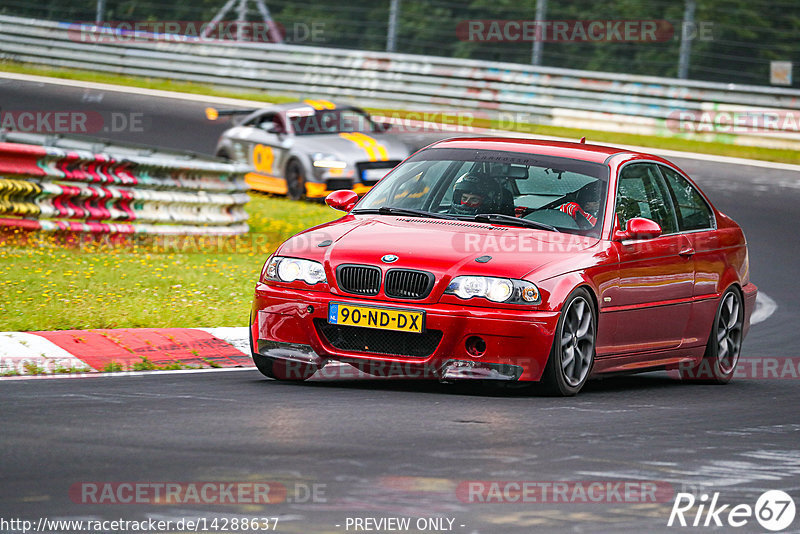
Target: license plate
x,y
373,175
373,317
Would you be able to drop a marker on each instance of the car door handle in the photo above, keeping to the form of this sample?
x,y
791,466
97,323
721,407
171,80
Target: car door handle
x,y
687,252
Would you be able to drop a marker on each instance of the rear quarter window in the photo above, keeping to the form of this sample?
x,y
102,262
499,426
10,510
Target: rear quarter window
x,y
692,210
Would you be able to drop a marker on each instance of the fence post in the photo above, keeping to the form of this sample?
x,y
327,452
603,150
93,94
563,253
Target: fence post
x,y
541,13
686,41
391,38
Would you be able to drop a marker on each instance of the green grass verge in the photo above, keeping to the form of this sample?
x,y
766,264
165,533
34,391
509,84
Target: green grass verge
x,y
670,143
50,286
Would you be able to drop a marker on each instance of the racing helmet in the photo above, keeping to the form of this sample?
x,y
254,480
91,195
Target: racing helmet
x,y
475,193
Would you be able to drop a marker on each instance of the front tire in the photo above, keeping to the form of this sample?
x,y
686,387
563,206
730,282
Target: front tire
x,y
572,355
724,342
295,181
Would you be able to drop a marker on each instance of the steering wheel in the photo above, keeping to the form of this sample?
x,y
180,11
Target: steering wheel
x,y
553,217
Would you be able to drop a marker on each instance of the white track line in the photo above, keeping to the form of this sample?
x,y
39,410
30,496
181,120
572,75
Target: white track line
x,y
126,374
257,104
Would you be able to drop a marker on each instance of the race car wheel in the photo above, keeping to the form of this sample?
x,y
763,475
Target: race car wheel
x,y
572,354
724,343
295,180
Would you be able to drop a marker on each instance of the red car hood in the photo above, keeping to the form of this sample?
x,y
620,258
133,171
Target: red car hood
x,y
442,247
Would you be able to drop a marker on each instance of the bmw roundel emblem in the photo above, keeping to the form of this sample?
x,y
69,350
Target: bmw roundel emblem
x,y
389,258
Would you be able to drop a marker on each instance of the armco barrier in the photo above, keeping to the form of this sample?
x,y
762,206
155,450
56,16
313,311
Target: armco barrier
x,y
120,190
544,95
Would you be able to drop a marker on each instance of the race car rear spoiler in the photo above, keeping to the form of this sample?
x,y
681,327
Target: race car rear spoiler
x,y
213,114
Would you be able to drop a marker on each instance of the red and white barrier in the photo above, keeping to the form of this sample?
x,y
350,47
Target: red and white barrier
x,y
62,188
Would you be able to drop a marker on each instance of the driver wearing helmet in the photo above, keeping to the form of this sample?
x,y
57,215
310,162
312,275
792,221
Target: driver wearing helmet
x,y
475,193
587,206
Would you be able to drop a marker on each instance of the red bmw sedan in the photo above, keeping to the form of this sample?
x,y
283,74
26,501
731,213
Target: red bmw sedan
x,y
516,261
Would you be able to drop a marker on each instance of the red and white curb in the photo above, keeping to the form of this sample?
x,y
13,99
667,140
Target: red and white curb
x,y
80,352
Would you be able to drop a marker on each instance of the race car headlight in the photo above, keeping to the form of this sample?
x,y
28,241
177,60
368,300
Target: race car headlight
x,y
283,269
495,289
328,161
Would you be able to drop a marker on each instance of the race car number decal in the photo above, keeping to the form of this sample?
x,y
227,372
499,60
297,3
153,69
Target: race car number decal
x,y
263,158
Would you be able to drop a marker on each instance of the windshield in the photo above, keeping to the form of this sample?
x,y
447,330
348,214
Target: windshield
x,y
565,194
330,121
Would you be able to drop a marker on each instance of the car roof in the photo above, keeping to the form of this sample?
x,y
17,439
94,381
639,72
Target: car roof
x,y
579,151
308,104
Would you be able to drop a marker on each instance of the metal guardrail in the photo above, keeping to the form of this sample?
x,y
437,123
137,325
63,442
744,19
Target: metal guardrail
x,y
544,95
60,184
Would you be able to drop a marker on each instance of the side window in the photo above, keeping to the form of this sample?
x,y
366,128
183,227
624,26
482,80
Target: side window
x,y
269,122
693,211
642,193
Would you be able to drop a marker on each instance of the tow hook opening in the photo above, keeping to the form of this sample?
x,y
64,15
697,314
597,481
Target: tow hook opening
x,y
476,346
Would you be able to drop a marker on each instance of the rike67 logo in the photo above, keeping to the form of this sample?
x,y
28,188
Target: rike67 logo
x,y
774,510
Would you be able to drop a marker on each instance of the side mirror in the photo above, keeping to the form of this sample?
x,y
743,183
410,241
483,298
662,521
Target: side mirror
x,y
638,228
383,126
343,200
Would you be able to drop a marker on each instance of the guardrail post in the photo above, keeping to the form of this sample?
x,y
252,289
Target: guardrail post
x,y
541,13
100,14
391,38
686,40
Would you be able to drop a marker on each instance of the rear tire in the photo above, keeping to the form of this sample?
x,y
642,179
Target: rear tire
x,y
295,180
573,351
724,343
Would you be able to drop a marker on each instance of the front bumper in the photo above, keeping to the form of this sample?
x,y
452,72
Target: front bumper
x,y
288,324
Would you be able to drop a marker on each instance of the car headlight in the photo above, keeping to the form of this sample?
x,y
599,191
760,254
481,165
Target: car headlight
x,y
328,161
283,269
495,289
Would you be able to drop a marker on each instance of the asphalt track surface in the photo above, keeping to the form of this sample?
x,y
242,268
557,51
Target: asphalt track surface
x,y
379,448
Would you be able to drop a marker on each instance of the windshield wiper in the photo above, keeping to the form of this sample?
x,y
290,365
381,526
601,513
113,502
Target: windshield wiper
x,y
508,219
408,212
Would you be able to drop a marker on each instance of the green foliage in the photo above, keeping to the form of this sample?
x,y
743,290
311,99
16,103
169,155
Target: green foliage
x,y
113,367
